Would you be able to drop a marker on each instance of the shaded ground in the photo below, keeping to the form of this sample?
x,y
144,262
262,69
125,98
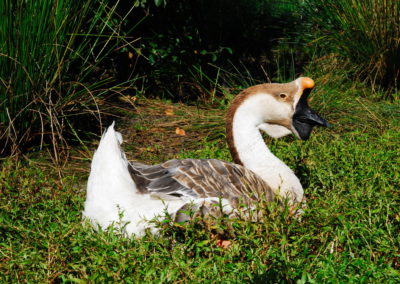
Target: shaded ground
x,y
155,131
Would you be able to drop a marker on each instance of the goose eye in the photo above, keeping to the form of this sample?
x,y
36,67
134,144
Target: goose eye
x,y
282,96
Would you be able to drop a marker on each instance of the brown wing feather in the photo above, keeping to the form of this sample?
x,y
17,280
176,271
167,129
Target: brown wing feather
x,y
202,178
230,181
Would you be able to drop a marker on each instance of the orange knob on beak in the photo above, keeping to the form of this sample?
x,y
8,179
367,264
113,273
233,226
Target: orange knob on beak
x,y
307,83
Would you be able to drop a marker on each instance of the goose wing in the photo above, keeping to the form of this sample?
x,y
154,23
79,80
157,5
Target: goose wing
x,y
200,178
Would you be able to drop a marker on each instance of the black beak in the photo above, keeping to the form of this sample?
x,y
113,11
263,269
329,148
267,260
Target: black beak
x,y
304,118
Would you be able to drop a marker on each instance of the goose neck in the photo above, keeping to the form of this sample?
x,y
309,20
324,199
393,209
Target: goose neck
x,y
244,139
248,148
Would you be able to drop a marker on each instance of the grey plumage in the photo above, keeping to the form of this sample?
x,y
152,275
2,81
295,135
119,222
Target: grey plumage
x,y
201,178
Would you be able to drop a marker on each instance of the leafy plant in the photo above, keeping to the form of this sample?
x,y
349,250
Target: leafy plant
x,y
201,32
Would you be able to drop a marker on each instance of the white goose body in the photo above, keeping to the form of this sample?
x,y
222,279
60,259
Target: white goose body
x,y
129,195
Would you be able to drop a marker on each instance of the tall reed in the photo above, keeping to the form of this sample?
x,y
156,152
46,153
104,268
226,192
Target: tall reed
x,y
365,33
50,58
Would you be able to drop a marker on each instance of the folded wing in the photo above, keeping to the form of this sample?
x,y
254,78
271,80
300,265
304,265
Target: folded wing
x,y
201,178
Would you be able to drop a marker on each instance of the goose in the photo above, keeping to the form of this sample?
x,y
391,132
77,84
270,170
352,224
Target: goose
x,y
131,194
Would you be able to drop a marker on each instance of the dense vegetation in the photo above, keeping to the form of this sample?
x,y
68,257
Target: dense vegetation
x,y
59,61
66,67
52,69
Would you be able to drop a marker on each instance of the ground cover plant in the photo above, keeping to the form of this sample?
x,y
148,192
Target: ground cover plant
x,y
349,232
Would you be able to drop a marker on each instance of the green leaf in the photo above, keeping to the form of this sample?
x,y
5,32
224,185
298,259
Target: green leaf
x,y
158,2
202,243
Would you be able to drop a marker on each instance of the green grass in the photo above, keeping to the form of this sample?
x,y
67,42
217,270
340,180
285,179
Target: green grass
x,y
348,233
52,58
365,33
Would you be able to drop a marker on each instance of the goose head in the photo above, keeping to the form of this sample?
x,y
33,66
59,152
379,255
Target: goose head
x,y
277,109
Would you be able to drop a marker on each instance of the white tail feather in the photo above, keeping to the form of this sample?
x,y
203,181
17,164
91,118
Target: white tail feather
x,y
110,188
112,195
